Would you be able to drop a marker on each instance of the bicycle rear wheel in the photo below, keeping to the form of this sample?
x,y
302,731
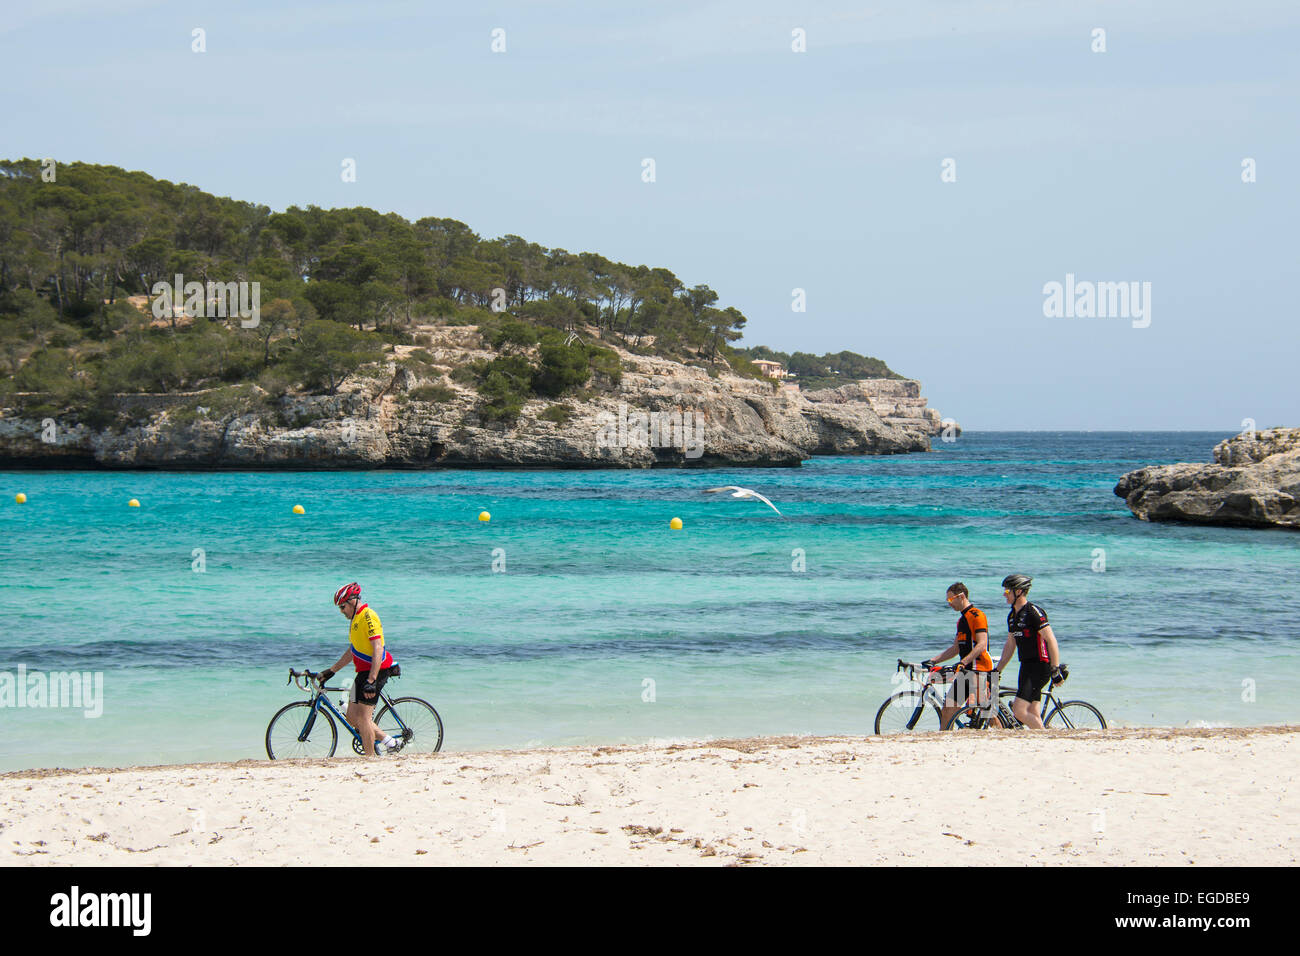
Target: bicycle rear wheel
x,y
414,722
290,723
907,712
1076,715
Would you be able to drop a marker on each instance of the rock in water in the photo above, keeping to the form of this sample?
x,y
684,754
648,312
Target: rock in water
x,y
1255,482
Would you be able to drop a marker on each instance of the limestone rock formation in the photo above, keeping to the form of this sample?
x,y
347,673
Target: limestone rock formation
x,y
662,413
897,401
1254,482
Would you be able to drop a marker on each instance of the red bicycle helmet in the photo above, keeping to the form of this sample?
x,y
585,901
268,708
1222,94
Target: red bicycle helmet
x,y
346,593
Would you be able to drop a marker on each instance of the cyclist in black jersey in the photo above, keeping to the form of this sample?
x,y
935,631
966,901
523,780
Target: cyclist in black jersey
x,y
1040,656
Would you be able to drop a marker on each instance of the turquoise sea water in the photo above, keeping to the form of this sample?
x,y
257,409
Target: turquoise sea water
x,y
599,596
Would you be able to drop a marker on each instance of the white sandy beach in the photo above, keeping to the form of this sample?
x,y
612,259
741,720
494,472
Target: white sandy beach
x,y
1150,796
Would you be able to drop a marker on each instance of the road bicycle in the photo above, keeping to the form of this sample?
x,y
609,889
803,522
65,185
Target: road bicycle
x,y
1059,714
306,728
919,710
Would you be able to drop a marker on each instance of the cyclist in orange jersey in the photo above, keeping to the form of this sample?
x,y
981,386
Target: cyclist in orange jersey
x,y
971,647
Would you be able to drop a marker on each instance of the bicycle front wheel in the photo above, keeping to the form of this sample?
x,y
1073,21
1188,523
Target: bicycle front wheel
x,y
295,733
907,712
414,722
1075,715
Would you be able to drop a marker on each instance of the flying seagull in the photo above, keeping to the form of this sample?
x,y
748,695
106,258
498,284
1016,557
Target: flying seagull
x,y
739,492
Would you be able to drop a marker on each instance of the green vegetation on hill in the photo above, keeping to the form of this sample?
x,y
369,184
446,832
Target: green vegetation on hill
x,y
338,290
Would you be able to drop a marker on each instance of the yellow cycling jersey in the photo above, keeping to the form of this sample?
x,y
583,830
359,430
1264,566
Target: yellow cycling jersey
x,y
366,629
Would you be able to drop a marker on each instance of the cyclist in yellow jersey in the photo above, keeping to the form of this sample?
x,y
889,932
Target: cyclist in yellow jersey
x,y
373,664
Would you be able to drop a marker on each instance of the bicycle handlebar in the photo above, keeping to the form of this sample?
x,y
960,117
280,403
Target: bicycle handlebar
x,y
295,678
944,671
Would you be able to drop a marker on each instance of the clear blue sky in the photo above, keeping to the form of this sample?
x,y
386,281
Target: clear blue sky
x,y
775,170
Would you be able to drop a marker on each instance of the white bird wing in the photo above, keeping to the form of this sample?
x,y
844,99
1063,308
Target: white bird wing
x,y
739,492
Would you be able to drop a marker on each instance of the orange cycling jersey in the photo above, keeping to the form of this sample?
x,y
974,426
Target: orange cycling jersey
x,y
972,620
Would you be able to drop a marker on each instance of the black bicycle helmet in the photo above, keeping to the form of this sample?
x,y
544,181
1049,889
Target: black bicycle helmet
x,y
1017,582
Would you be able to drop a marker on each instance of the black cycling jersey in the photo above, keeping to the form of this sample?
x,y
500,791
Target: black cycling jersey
x,y
1025,626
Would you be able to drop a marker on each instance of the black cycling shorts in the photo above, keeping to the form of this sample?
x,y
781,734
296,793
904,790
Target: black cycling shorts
x,y
969,688
358,693
1034,676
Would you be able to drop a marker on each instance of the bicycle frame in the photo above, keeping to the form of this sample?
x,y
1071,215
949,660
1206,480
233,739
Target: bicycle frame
x,y
928,693
928,696
1056,706
1005,711
322,700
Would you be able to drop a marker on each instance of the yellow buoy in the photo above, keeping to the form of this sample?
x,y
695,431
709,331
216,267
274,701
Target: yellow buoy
x,y
675,524
299,510
20,498
133,503
484,516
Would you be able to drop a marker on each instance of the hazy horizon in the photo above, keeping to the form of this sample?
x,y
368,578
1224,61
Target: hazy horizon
x,y
774,169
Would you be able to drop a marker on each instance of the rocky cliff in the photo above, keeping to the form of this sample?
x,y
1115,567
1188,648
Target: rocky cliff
x,y
1254,482
897,401
662,413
